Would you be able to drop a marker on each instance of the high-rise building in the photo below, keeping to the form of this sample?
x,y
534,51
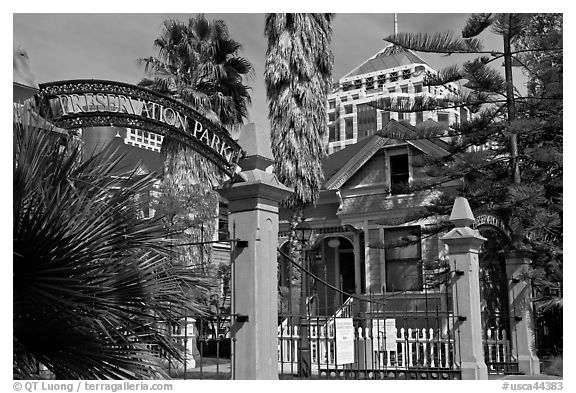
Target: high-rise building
x,y
393,72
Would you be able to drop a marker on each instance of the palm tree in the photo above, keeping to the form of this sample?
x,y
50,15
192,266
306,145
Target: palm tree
x,y
198,63
298,75
92,280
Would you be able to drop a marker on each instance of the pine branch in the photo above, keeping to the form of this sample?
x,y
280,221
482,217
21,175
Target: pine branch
x,y
476,24
446,75
436,43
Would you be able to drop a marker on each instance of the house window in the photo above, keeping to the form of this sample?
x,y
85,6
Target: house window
x,y
418,88
332,116
381,79
399,174
404,88
385,118
348,109
223,233
355,96
406,74
332,104
393,76
392,90
419,117
366,120
349,129
343,99
403,251
358,83
401,116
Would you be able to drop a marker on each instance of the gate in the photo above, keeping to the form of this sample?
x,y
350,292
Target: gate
x,y
399,335
500,352
205,344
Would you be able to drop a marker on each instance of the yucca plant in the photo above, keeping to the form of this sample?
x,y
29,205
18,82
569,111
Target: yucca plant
x,y
94,284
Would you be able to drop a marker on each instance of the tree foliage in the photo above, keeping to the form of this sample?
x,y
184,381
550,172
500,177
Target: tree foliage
x,y
509,155
198,63
92,280
298,76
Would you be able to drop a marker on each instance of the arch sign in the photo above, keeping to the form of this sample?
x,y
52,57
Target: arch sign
x,y
488,219
92,103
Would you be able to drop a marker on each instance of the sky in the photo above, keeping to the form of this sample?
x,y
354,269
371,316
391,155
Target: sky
x,y
65,46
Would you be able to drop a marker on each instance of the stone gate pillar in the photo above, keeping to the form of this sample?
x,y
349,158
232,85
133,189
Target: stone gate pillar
x,y
253,207
521,313
464,243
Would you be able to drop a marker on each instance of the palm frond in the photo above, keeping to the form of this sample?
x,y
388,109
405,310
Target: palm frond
x,y
93,283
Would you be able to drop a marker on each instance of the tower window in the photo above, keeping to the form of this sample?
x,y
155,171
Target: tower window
x,y
366,115
419,117
385,118
334,132
443,118
349,129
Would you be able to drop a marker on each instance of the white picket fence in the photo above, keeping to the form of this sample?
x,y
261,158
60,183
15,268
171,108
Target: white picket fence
x,y
414,348
497,346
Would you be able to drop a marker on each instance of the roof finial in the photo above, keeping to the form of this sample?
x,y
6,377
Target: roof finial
x,y
395,23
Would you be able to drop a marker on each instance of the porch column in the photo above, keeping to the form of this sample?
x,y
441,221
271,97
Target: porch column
x,y
357,264
253,207
463,243
521,313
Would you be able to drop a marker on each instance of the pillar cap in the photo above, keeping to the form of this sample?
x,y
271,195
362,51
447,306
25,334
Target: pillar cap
x,y
461,233
255,183
256,144
461,215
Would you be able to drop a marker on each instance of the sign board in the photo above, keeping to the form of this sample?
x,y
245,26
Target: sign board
x,y
94,103
385,330
344,340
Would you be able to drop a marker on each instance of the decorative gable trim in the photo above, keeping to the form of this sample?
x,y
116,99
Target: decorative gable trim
x,y
346,172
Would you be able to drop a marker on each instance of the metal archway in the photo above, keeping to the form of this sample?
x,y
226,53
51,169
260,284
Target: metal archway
x,y
73,104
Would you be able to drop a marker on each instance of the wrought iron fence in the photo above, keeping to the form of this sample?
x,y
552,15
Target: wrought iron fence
x,y
398,335
206,346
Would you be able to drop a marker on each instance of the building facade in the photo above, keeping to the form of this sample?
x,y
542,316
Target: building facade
x,y
369,242
394,73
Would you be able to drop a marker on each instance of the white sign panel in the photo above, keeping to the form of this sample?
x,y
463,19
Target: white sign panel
x,y
344,340
385,330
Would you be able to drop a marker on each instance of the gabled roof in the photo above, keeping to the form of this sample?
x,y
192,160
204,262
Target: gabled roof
x,y
340,166
389,57
334,162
